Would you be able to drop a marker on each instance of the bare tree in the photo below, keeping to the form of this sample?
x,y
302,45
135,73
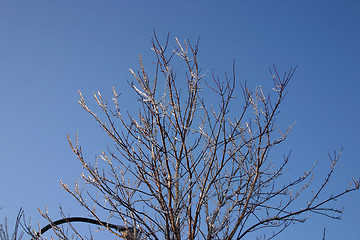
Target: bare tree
x,y
15,235
196,161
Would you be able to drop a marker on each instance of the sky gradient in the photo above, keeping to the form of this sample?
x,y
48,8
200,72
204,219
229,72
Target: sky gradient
x,y
49,50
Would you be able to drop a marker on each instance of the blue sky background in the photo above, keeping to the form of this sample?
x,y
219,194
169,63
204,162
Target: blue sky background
x,y
49,50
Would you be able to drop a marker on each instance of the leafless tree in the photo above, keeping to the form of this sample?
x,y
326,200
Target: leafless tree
x,y
196,161
15,235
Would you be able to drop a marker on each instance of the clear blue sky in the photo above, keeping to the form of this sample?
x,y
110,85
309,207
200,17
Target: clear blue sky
x,y
51,49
